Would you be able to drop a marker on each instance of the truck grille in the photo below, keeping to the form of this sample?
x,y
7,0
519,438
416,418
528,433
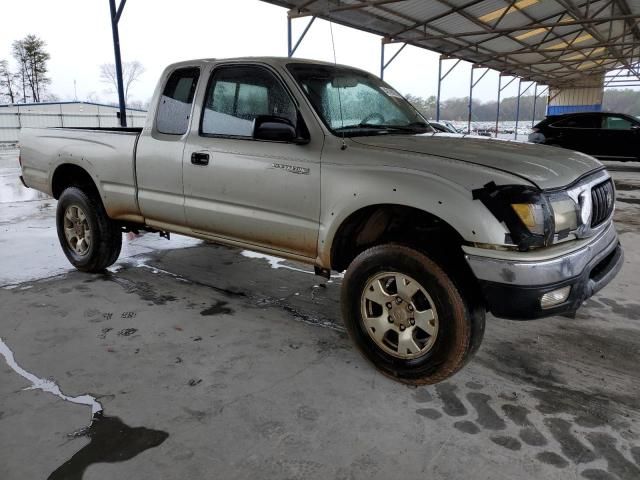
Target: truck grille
x,y
602,200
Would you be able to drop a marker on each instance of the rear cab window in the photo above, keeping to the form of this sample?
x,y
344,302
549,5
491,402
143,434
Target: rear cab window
x,y
174,109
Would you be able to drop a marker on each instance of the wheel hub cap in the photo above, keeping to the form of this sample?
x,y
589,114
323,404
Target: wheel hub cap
x,y
77,230
399,315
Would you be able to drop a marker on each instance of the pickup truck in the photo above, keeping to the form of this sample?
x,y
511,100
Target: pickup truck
x,y
328,165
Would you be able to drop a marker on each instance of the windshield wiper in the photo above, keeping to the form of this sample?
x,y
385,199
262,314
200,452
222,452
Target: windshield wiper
x,y
415,127
419,125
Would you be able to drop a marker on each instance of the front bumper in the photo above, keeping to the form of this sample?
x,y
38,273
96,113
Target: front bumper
x,y
513,286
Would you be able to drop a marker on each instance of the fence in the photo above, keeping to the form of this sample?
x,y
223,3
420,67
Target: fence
x,y
12,122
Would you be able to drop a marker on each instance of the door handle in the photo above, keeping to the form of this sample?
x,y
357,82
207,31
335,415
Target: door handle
x,y
200,158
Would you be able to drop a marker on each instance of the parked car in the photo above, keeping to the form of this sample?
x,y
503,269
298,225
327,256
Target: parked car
x,y
450,126
328,165
442,127
607,136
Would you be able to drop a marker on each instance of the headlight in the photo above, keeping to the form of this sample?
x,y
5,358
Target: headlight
x,y
565,215
533,217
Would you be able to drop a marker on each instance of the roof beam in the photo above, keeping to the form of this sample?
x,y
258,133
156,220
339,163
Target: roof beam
x,y
504,14
531,27
594,32
304,12
466,44
463,44
565,30
539,45
437,17
624,8
471,18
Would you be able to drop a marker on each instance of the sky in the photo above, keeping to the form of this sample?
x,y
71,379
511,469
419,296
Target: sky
x,y
159,32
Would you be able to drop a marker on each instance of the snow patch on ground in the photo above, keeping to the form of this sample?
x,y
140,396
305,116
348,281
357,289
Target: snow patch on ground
x,y
46,385
275,262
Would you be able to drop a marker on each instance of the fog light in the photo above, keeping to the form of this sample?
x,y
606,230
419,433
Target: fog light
x,y
555,297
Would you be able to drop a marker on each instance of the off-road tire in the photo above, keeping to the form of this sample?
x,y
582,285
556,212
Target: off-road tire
x,y
461,323
106,243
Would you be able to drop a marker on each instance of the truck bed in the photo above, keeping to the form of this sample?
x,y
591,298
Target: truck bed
x,y
105,129
107,154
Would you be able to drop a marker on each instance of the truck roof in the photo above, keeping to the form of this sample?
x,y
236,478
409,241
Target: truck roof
x,y
279,61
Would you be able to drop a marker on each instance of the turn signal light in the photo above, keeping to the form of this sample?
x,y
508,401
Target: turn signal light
x,y
525,212
555,297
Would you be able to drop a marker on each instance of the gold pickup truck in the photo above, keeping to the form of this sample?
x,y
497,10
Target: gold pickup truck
x,y
330,166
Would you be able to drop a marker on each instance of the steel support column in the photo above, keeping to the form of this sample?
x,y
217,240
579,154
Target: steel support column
x,y
472,84
440,79
537,95
438,92
291,48
535,99
498,104
289,34
500,90
383,64
470,106
520,93
515,130
115,19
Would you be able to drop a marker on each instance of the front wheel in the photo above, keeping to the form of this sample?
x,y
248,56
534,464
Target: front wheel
x,y
89,238
406,315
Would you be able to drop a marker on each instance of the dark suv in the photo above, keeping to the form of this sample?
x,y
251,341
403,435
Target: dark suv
x,y
607,136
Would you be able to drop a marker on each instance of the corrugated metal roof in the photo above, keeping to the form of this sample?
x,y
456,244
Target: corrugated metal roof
x,y
556,42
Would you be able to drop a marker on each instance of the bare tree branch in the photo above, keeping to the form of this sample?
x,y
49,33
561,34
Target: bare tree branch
x,y
131,72
32,57
8,82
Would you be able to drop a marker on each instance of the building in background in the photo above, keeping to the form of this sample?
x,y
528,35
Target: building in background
x,y
587,97
13,117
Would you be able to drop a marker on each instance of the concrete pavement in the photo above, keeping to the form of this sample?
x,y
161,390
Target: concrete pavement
x,y
211,362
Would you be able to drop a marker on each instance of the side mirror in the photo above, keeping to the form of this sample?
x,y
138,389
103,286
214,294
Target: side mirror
x,y
277,129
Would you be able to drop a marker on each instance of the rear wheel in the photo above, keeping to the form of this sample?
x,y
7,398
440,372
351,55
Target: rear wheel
x,y
406,315
89,238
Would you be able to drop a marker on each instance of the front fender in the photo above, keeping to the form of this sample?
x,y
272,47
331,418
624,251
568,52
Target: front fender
x,y
347,188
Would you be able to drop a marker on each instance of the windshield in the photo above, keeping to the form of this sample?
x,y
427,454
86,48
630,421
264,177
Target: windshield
x,y
351,102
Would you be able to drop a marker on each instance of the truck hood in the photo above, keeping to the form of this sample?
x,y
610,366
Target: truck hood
x,y
546,167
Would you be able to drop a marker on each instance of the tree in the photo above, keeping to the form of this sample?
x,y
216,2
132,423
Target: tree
x,y
93,97
8,84
427,107
131,72
614,100
32,58
622,101
457,109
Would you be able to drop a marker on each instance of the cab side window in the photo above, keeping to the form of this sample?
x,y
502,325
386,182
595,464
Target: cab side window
x,y
237,95
578,121
174,109
613,122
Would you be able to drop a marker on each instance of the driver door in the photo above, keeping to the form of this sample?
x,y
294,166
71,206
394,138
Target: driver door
x,y
620,137
265,193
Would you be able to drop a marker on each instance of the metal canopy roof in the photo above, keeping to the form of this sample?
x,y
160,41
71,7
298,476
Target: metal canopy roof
x,y
556,42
